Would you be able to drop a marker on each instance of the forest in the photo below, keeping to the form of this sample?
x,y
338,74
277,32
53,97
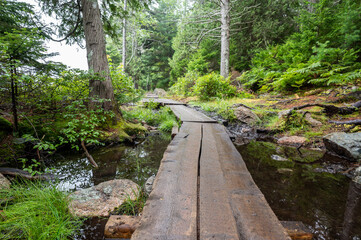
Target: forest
x,y
265,69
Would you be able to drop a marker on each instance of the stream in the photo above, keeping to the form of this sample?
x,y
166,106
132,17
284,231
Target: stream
x,y
310,193
137,163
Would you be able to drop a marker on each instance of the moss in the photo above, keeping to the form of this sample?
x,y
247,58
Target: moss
x,y
5,125
133,129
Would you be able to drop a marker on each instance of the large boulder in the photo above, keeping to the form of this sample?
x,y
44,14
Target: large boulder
x,y
121,226
245,115
344,144
4,182
99,200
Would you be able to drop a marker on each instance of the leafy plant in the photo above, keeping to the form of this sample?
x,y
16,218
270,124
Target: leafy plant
x,y
213,85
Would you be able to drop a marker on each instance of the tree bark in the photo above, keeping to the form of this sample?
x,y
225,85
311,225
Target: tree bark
x,y
14,97
96,55
124,53
225,33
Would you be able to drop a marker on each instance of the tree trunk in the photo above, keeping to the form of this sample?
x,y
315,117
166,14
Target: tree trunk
x,y
96,55
124,57
225,26
14,97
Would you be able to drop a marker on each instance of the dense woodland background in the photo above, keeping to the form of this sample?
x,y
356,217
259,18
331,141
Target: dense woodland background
x,y
205,49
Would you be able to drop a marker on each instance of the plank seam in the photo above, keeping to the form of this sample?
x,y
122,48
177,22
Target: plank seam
x,y
198,185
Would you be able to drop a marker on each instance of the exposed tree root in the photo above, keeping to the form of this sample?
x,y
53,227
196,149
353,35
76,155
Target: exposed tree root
x,y
90,158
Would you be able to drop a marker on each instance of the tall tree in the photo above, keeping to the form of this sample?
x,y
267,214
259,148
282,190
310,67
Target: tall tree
x,y
96,54
225,34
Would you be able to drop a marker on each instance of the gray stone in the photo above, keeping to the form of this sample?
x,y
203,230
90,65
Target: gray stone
x,y
4,182
284,113
99,200
246,115
344,144
148,186
279,158
160,92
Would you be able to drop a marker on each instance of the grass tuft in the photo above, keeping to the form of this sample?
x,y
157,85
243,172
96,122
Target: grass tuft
x,y
36,211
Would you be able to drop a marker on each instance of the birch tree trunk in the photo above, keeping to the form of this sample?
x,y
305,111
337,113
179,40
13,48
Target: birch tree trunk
x,y
96,54
124,54
225,32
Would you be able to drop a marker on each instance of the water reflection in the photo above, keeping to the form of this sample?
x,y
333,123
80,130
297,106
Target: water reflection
x,y
352,208
136,163
303,193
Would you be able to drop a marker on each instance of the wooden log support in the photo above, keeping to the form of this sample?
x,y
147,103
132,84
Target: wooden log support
x,y
171,209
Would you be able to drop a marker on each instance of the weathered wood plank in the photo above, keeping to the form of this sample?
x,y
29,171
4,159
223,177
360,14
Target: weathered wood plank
x,y
251,212
186,114
162,101
216,219
171,209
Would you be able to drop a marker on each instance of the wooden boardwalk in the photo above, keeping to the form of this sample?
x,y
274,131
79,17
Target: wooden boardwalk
x,y
203,189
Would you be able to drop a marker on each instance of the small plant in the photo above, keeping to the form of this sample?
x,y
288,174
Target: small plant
x,y
133,207
36,211
31,168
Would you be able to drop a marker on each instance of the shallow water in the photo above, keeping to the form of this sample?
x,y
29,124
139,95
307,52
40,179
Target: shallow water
x,y
325,202
137,163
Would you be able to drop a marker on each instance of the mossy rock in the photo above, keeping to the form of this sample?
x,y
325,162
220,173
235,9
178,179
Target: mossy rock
x,y
5,125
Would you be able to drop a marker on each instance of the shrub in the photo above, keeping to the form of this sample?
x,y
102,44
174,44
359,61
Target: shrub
x,y
36,211
213,85
183,86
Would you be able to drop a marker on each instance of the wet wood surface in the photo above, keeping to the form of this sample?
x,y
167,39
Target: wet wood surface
x,y
186,114
203,189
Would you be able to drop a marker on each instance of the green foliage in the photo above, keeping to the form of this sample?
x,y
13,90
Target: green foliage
x,y
213,85
184,85
163,117
31,167
36,211
83,124
123,85
221,107
133,207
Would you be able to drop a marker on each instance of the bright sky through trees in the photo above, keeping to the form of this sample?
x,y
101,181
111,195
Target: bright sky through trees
x,y
73,56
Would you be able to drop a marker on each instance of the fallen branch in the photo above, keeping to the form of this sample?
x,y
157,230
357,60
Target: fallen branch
x,y
90,158
14,172
329,109
349,122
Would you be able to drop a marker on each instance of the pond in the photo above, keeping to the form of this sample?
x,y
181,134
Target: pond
x,y
296,191
137,163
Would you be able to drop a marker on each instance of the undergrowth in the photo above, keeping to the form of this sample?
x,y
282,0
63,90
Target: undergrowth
x,y
36,211
163,118
132,207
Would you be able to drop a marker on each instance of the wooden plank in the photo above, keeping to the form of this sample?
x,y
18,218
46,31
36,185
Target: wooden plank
x,y
171,209
162,101
186,114
216,219
253,217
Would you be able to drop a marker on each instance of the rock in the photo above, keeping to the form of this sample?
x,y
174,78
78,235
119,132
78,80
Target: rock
x,y
344,144
357,179
292,141
246,115
148,185
121,226
284,170
279,158
284,113
358,171
160,92
4,182
99,200
313,122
